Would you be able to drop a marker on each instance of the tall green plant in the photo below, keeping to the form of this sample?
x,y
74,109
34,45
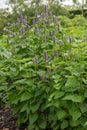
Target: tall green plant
x,y
44,74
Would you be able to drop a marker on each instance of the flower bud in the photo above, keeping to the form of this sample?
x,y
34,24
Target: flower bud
x,y
5,30
54,19
22,30
45,56
21,17
44,39
45,9
35,30
42,15
70,39
58,27
54,39
35,60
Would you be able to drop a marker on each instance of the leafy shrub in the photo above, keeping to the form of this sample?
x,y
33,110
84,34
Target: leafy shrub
x,y
44,74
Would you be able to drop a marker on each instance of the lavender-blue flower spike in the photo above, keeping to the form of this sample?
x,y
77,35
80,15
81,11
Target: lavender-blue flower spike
x,y
54,39
45,56
58,27
21,17
54,19
45,9
44,39
70,39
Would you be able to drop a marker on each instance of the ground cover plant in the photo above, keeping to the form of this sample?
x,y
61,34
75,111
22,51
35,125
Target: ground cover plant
x,y
43,72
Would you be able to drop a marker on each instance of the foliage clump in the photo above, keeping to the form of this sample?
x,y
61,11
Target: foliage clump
x,y
44,74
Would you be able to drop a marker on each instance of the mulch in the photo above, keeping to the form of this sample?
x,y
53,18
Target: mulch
x,y
8,120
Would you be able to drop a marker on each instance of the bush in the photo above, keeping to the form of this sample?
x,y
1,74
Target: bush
x,y
44,75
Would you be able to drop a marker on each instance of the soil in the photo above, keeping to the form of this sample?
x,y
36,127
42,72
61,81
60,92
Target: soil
x,y
8,120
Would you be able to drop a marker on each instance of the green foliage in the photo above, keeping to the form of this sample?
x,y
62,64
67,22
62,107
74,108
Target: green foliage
x,y
43,72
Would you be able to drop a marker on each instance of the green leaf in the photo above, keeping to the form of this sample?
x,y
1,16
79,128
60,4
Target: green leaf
x,y
74,97
56,94
56,103
24,108
61,114
83,107
32,118
85,94
26,96
34,106
42,122
24,60
85,123
75,115
74,123
64,124
72,84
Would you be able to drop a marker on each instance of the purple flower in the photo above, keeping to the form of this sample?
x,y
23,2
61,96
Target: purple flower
x,y
35,60
45,55
5,30
21,17
42,15
54,39
23,30
44,39
35,30
54,19
70,39
9,24
45,9
58,27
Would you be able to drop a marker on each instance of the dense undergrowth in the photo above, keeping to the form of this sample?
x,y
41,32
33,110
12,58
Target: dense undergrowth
x,y
43,71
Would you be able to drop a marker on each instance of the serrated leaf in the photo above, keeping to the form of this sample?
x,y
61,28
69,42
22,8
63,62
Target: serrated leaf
x,y
34,107
75,115
26,96
33,118
64,124
42,122
83,107
56,103
61,114
56,94
74,97
24,107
